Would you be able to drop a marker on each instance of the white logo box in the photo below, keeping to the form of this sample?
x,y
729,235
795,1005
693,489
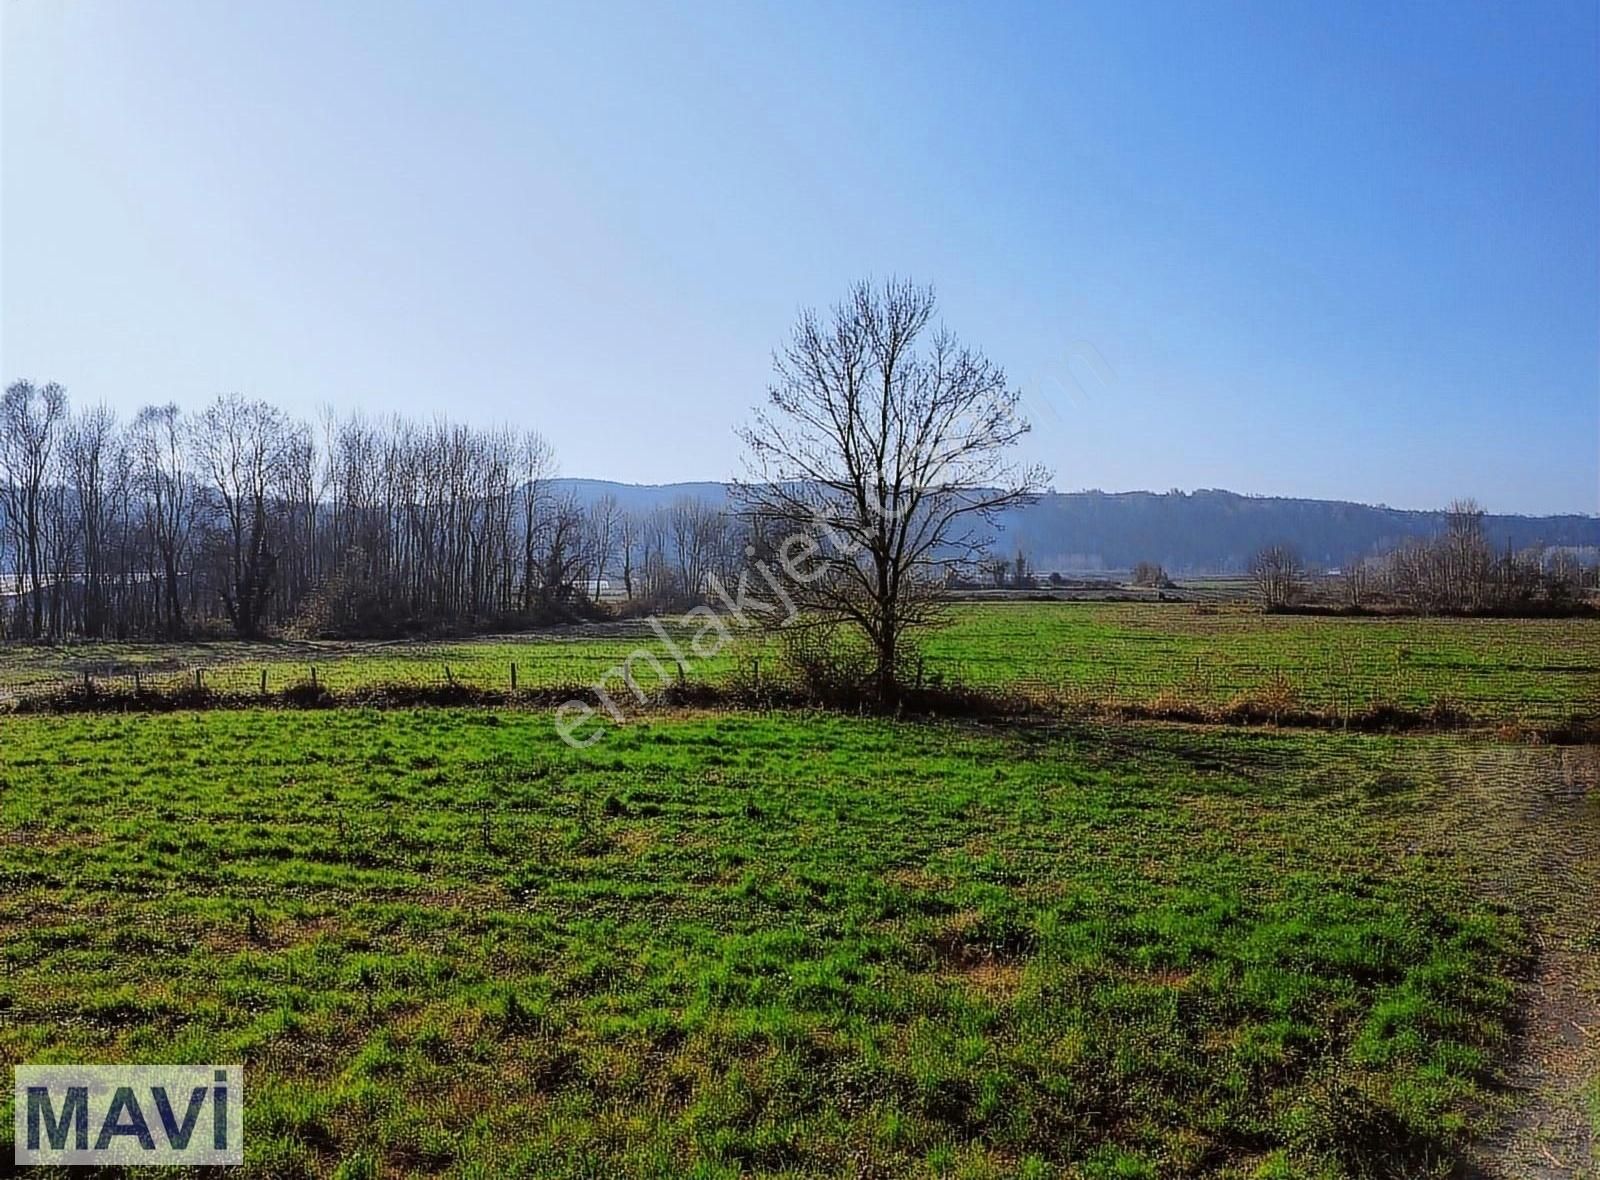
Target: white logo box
x,y
129,1115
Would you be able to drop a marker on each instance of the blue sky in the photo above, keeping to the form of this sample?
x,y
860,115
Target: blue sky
x,y
1328,250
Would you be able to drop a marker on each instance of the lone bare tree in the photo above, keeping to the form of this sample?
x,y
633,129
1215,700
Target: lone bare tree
x,y
880,463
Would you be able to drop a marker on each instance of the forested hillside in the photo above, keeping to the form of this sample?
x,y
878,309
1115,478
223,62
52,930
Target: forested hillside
x,y
1194,532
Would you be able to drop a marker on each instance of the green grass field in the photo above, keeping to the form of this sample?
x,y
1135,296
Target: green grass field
x,y
1497,669
442,941
796,944
1535,671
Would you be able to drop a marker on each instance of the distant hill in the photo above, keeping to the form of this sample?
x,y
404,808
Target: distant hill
x,y
639,497
1208,531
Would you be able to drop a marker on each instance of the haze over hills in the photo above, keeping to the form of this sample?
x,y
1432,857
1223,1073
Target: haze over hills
x,y
1205,531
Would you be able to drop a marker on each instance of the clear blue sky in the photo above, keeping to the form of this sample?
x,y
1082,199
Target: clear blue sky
x,y
1317,249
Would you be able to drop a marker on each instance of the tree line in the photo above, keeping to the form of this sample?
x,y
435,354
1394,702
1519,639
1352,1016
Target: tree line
x,y
878,469
241,519
1456,571
1213,531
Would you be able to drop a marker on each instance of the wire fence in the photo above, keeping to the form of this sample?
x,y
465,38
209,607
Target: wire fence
x,y
1282,687
243,678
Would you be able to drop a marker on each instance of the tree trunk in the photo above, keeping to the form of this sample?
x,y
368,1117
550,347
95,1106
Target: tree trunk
x,y
888,661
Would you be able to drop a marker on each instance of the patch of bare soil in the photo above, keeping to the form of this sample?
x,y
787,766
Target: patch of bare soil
x,y
1550,1134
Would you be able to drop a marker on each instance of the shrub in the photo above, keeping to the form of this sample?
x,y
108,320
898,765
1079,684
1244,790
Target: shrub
x,y
826,663
1150,575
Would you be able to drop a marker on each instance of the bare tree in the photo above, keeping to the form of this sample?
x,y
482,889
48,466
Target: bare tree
x,y
491,511
58,513
127,610
695,530
1278,575
627,545
89,454
604,529
31,418
732,544
559,552
241,447
537,465
881,461
1564,578
1357,583
655,573
1466,555
166,490
302,495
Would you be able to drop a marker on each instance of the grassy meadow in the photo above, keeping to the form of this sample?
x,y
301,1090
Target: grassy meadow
x,y
790,944
1500,671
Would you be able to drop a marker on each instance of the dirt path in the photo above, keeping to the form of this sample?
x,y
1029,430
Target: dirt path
x,y
1527,823
1550,1135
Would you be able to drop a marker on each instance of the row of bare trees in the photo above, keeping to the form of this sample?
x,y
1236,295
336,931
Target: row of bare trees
x,y
241,518
1457,571
1460,572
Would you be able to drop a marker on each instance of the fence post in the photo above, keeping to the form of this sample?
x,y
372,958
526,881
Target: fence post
x,y
88,685
313,676
138,689
263,682
199,680
513,675
449,679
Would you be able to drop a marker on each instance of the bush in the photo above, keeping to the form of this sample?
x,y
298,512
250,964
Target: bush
x,y
1151,575
827,663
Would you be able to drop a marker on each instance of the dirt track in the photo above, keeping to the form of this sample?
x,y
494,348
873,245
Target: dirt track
x,y
1528,823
